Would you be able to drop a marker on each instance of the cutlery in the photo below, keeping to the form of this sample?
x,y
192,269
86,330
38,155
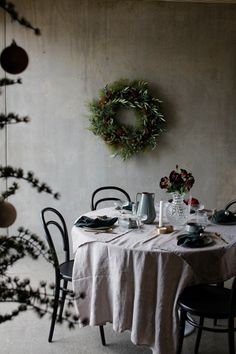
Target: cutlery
x,y
220,237
109,231
119,235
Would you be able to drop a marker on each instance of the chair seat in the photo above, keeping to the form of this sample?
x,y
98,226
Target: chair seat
x,y
215,302
66,269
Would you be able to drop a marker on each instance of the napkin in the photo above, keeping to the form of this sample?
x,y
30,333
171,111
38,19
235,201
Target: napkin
x,y
223,216
191,240
128,207
85,221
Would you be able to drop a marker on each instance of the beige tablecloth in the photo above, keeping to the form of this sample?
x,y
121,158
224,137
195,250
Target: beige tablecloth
x,y
133,279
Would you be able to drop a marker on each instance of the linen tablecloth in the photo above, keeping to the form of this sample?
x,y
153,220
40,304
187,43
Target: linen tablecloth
x,y
133,279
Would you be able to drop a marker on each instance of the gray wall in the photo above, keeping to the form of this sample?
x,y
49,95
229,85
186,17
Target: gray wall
x,y
186,51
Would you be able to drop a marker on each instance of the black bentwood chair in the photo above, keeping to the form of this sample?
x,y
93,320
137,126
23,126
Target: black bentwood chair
x,y
208,301
63,271
96,199
231,206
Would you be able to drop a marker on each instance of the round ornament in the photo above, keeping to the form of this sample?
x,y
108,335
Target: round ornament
x,y
14,59
7,214
126,140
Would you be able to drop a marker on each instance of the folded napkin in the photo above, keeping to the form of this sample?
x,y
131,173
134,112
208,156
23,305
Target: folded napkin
x,y
223,216
191,240
128,207
85,221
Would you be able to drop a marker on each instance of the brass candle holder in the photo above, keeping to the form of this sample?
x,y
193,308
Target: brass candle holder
x,y
167,229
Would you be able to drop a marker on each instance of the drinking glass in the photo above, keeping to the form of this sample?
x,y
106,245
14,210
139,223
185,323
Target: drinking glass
x,y
202,218
140,218
119,204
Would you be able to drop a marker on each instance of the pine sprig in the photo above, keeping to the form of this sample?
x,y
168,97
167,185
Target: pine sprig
x,y
9,7
18,173
15,290
6,81
17,246
40,300
12,118
10,191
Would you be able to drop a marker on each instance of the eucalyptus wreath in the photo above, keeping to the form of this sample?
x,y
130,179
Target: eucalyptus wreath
x,y
126,140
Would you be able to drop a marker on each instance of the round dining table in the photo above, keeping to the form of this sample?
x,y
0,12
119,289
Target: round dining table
x,y
132,277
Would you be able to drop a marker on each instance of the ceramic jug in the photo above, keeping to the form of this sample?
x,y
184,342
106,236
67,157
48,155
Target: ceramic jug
x,y
146,206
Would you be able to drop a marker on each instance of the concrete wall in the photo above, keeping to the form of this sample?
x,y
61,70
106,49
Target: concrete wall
x,y
186,51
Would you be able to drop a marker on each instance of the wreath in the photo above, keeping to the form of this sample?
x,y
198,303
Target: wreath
x,y
127,140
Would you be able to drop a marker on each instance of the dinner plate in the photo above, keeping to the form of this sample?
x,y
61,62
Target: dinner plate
x,y
222,223
207,241
100,228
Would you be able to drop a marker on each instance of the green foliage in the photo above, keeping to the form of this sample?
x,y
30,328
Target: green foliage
x,y
18,173
126,140
10,8
20,291
25,243
5,81
12,118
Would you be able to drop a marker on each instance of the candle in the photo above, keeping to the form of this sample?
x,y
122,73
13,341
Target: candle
x,y
161,213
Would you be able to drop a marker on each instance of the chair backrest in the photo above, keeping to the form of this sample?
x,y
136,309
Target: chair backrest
x,y
52,217
95,200
231,206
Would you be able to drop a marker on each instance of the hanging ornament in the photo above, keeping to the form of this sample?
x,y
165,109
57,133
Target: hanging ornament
x,y
7,213
14,59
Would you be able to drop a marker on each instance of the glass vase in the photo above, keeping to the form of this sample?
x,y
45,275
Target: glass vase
x,y
177,210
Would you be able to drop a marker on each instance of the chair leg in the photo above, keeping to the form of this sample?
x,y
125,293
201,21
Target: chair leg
x,y
65,283
231,336
199,334
102,334
181,331
55,307
220,285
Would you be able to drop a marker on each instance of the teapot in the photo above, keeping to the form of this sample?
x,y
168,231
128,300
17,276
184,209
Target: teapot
x,y
146,206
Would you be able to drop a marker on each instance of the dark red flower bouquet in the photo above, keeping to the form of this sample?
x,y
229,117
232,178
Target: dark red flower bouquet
x,y
178,181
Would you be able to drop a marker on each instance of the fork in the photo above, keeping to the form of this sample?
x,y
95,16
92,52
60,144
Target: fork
x,y
220,237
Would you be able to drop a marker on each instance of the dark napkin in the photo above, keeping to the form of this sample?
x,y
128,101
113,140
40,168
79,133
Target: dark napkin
x,y
223,217
85,221
128,207
191,240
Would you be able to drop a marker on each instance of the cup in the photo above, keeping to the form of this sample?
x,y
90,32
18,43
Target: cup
x,y
193,227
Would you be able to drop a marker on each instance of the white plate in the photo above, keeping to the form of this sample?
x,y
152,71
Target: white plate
x,y
100,228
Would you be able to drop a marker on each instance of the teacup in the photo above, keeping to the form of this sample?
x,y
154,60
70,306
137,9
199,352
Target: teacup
x,y
193,227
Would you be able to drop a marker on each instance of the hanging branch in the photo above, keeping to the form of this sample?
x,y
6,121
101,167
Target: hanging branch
x,y
15,247
39,300
10,191
18,173
14,290
9,7
12,118
5,81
